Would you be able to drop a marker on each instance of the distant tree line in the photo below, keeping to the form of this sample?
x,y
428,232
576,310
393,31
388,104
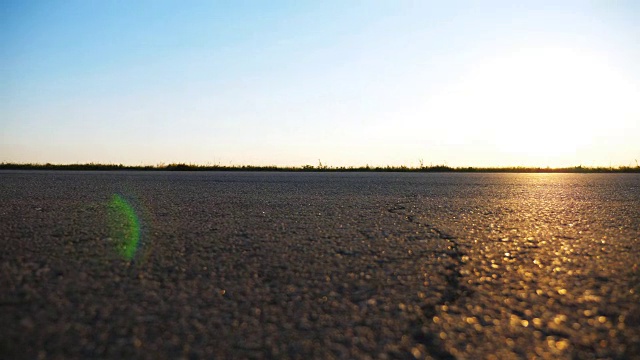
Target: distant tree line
x,y
319,168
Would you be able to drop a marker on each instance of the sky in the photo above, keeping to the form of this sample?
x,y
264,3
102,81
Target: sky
x,y
347,83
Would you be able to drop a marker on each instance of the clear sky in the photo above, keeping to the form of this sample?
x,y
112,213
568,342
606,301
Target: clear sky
x,y
462,83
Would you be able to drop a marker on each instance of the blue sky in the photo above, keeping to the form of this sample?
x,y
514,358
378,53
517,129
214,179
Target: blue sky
x,y
466,83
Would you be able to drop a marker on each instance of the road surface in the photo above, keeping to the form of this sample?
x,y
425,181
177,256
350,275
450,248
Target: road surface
x,y
319,265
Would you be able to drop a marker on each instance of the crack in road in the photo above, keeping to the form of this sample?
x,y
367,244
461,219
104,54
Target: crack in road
x,y
452,276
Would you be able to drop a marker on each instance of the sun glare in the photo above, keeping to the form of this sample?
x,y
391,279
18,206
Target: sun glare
x,y
540,106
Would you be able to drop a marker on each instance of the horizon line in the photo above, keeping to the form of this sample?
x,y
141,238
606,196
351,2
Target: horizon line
x,y
319,168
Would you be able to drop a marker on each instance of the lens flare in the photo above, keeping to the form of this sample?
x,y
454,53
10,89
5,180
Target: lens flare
x,y
125,226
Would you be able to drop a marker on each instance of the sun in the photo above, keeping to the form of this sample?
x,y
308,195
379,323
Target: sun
x,y
546,102
537,106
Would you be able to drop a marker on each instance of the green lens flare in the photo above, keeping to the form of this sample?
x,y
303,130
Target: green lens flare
x,y
125,226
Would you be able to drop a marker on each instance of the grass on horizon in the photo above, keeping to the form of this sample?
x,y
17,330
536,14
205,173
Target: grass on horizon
x,y
319,168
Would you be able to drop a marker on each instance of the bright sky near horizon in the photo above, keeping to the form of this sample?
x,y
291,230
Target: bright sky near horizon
x,y
462,83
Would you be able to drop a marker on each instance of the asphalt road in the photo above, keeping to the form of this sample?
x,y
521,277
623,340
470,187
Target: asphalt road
x,y
319,265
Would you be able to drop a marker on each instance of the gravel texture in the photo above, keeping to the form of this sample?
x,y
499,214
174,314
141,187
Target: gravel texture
x,y
320,265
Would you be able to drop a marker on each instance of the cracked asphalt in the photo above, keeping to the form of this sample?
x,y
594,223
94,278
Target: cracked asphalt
x,y
321,265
